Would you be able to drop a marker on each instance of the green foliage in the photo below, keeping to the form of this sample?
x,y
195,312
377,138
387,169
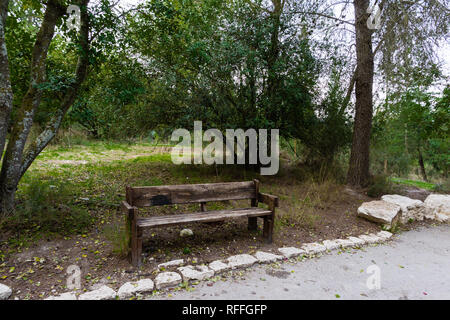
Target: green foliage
x,y
380,185
419,184
414,123
442,187
45,207
117,235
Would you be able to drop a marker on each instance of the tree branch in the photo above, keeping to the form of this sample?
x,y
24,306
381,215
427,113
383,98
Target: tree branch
x,y
322,15
49,132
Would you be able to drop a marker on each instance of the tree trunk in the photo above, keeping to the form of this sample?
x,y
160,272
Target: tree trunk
x,y
422,165
274,50
10,173
6,95
16,162
406,139
358,173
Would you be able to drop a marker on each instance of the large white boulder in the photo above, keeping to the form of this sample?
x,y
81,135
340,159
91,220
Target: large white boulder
x,y
380,212
411,208
438,205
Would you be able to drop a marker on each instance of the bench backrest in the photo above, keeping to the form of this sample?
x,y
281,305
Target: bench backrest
x,y
191,193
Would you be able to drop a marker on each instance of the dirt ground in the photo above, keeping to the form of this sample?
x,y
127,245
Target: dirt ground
x,y
41,271
308,212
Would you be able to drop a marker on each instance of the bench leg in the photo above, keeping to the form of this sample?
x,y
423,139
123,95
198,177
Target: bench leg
x,y
139,246
133,245
135,239
268,229
252,224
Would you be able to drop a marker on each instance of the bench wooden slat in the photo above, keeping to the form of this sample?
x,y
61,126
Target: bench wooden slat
x,y
207,216
192,193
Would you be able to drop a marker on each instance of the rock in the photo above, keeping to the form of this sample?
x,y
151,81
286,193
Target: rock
x,y
314,248
173,263
130,289
64,296
291,252
196,272
331,244
266,257
370,238
356,241
345,243
103,293
411,209
380,212
438,204
5,292
218,266
186,233
167,279
385,235
442,217
337,243
241,261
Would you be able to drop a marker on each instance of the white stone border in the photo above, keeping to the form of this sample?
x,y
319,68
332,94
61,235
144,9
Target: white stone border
x,y
170,279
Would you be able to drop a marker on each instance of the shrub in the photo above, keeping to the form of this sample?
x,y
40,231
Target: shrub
x,y
43,207
380,185
442,187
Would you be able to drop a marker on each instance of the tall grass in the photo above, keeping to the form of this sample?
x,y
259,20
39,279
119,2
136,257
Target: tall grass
x,y
45,208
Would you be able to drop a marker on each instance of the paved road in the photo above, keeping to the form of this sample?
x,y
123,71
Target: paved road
x,y
415,265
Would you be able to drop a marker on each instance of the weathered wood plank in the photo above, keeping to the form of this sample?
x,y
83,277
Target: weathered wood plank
x,y
191,193
268,199
208,216
253,221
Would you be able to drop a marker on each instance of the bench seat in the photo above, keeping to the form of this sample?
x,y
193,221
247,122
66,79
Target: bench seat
x,y
205,216
200,194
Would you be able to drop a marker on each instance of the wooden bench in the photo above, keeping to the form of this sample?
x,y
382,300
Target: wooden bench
x,y
139,197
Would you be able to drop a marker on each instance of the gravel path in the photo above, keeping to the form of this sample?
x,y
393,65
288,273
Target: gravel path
x,y
415,265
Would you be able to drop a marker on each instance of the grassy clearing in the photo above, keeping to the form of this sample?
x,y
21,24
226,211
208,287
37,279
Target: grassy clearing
x,y
414,183
68,213
75,197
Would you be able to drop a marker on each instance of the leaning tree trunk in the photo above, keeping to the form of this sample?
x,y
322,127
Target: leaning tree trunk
x,y
10,173
16,160
6,96
358,173
53,125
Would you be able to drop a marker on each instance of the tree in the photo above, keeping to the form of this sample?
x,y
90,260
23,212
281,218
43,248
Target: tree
x,y
407,35
6,96
19,155
358,172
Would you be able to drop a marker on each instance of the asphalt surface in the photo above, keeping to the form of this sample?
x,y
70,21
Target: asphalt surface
x,y
414,265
